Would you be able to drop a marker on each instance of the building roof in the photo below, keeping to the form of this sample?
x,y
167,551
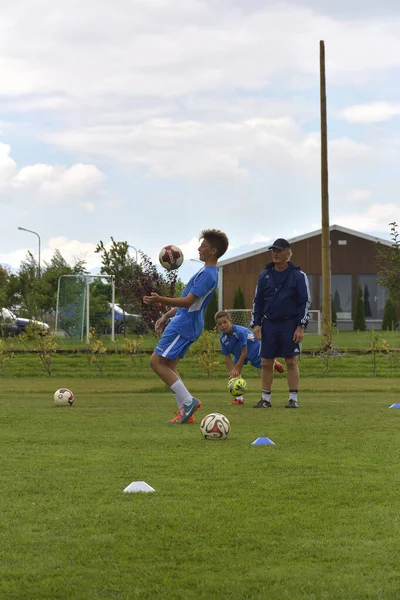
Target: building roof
x,y
305,236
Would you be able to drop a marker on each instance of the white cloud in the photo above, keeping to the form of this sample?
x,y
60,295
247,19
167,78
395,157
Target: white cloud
x,y
51,182
374,112
358,195
374,218
259,237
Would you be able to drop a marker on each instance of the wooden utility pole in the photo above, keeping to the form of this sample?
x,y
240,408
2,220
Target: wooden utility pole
x,y
326,244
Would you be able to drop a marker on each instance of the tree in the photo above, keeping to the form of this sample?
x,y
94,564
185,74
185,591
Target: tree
x,y
239,302
359,315
367,306
389,265
3,286
212,308
133,281
390,317
334,317
336,302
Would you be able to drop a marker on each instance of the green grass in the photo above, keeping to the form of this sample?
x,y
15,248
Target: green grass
x,y
72,366
314,517
345,340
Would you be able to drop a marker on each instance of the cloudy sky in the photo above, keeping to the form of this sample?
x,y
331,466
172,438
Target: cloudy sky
x,y
149,120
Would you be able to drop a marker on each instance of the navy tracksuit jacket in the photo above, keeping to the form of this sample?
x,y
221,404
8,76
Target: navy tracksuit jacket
x,y
276,302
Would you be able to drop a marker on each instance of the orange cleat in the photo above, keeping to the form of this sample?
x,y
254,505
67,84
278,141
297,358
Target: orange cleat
x,y
278,367
178,417
237,402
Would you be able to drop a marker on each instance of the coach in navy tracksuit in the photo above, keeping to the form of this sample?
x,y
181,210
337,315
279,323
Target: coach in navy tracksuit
x,y
280,314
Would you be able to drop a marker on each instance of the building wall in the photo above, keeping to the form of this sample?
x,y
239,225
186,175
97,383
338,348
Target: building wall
x,y
350,255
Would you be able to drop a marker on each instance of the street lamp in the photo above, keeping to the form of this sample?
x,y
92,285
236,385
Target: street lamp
x,y
34,232
136,252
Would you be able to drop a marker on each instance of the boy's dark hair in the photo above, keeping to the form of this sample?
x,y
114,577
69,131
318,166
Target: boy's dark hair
x,y
217,239
222,314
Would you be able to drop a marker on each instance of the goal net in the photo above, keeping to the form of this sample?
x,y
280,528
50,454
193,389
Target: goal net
x,y
243,317
85,303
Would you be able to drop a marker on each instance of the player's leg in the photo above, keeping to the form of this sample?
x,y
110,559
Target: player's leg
x,y
170,349
293,376
267,354
290,351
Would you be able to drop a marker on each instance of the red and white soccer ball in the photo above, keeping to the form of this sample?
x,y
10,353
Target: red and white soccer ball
x,y
215,427
171,257
63,397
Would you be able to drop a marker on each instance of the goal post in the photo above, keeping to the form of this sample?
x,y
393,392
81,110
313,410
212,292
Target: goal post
x,y
85,302
241,316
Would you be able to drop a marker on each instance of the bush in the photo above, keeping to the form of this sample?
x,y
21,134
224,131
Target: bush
x,y
359,315
212,308
239,302
390,318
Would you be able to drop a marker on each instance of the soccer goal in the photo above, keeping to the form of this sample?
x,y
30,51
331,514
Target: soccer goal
x,y
243,317
85,303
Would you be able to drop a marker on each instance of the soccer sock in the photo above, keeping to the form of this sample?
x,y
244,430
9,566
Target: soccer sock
x,y
183,396
293,395
266,395
239,398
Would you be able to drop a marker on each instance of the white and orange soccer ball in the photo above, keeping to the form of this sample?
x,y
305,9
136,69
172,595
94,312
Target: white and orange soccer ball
x,y
171,257
215,427
63,397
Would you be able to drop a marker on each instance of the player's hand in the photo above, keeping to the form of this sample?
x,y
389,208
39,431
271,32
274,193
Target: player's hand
x,y
257,332
234,373
159,326
151,299
298,335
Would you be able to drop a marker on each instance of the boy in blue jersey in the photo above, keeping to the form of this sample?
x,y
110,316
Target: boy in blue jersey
x,y
242,344
187,323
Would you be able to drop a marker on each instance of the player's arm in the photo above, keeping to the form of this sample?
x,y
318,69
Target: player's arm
x,y
160,324
237,370
303,304
185,302
258,305
229,363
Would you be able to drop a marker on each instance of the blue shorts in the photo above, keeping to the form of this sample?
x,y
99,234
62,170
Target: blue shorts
x,y
172,345
277,339
256,362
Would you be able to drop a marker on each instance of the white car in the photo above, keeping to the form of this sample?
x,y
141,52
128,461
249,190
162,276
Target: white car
x,y
22,322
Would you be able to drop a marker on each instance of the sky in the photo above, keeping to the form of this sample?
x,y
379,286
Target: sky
x,y
151,120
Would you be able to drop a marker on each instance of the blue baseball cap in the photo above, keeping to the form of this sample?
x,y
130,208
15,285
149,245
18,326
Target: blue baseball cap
x,y
280,244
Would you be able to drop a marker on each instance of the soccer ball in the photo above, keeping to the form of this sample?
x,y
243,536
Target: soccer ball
x,y
215,427
171,257
63,397
237,386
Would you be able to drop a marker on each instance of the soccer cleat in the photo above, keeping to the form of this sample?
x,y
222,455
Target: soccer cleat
x,y
188,410
178,417
278,367
237,402
263,404
292,404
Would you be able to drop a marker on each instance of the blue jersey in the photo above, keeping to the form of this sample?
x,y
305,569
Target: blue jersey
x,y
241,337
189,322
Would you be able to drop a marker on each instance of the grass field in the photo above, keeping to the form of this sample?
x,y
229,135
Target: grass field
x,y
316,516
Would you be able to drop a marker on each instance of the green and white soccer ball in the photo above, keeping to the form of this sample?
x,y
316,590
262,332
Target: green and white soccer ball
x,y
237,386
215,427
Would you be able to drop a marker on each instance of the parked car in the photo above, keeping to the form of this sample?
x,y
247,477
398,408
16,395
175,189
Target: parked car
x,y
8,323
17,325
127,322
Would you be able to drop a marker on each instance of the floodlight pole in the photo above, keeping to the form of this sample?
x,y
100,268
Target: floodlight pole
x,y
325,234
